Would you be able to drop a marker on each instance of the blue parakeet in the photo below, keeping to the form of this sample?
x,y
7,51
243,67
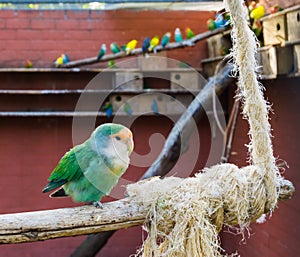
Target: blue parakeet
x,y
146,45
177,35
108,108
165,39
90,170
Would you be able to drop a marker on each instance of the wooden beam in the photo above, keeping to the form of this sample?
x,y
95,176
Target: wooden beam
x,y
50,224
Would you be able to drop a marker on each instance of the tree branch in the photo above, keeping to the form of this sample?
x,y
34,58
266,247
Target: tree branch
x,y
49,224
138,51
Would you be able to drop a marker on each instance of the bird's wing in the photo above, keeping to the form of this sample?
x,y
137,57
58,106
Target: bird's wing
x,y
69,167
101,175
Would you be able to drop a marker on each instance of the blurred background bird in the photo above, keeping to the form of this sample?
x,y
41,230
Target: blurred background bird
x,y
165,39
177,35
108,108
115,48
189,33
101,52
127,108
62,59
90,170
153,44
130,46
28,64
146,45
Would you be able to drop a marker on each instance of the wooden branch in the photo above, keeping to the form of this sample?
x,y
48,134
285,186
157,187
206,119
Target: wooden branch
x,y
49,224
138,51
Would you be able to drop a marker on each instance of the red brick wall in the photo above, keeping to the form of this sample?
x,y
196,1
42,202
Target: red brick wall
x,y
279,236
42,36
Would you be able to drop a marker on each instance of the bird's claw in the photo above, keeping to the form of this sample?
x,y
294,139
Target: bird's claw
x,y
98,204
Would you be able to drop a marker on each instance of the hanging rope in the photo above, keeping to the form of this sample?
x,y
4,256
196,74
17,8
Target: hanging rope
x,y
186,214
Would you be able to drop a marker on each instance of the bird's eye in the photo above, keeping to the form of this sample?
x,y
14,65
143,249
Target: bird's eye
x,y
118,138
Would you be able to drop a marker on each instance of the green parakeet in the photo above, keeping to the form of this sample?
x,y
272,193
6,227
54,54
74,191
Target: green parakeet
x,y
90,170
114,48
189,33
101,52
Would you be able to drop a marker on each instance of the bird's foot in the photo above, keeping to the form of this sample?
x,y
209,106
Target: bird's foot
x,y
98,204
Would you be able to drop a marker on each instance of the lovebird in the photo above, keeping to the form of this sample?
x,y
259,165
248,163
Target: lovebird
x,y
211,25
101,52
90,170
115,48
177,35
189,33
153,43
165,39
146,45
28,64
127,108
131,45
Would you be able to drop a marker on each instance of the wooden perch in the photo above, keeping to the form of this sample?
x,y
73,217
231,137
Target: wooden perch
x,y
138,51
50,224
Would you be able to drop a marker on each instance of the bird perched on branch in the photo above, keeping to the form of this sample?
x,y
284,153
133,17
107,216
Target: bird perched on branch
x,y
130,46
115,48
101,52
90,170
177,35
62,59
165,39
146,45
153,43
189,33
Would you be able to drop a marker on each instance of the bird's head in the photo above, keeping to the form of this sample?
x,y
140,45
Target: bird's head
x,y
115,138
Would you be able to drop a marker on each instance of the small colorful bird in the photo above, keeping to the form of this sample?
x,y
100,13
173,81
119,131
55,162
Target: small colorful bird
x,y
153,43
257,12
189,33
127,108
115,48
90,170
211,25
28,64
165,39
275,8
108,108
62,59
130,46
219,21
177,35
154,107
146,45
111,64
101,52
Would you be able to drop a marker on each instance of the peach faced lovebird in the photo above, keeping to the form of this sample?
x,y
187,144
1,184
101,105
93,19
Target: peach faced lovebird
x,y
90,170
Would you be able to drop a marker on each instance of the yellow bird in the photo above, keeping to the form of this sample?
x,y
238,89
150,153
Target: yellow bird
x,y
153,43
258,12
131,45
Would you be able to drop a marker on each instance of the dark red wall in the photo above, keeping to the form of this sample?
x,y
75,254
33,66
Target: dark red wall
x,y
279,236
42,36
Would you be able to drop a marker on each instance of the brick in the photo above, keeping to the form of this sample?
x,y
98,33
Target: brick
x,y
8,13
40,24
67,24
7,34
30,14
17,23
53,14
